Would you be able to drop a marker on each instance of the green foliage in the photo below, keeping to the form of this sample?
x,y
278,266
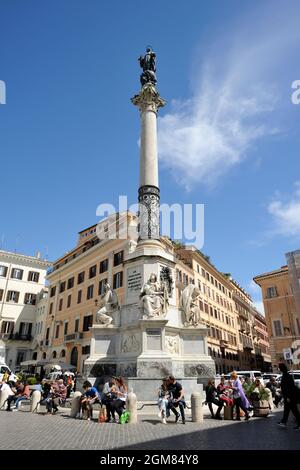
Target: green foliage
x,y
254,396
31,380
21,377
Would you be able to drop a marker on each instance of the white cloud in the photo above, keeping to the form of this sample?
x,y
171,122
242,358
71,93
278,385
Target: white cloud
x,y
286,213
202,138
232,107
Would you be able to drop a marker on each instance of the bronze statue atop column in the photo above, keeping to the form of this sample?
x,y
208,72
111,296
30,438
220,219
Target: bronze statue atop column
x,y
148,64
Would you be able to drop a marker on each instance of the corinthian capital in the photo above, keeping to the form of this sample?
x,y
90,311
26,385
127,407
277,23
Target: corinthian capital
x,y
148,99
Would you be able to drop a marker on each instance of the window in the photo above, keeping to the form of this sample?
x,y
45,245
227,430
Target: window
x,y
76,327
69,301
7,327
63,353
60,306
118,280
277,327
54,355
203,272
201,305
66,328
90,292
25,330
57,331
20,357
93,271
101,286
86,349
3,271
87,322
12,296
51,308
70,282
33,276
30,299
206,308
118,258
52,291
79,296
271,292
198,268
80,277
17,273
62,287
1,294
103,266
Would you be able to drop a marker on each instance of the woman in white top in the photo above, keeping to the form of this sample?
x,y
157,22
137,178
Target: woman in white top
x,y
118,405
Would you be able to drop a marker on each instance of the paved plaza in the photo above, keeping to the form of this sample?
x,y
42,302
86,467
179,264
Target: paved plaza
x,y
24,430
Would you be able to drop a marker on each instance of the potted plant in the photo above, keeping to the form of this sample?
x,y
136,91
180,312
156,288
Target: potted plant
x,y
259,399
261,404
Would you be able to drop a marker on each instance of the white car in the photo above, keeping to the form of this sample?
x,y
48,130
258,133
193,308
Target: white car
x,y
4,368
296,377
267,377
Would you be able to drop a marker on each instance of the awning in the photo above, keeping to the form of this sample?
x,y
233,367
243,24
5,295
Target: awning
x,y
45,363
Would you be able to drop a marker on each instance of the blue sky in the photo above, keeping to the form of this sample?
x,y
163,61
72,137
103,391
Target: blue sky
x,y
228,138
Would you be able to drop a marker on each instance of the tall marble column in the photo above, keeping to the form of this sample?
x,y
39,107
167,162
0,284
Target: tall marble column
x,y
148,102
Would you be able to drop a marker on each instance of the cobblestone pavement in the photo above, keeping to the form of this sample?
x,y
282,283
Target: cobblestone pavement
x,y
23,430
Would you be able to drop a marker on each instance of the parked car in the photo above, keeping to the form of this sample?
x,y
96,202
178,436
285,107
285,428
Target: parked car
x,y
296,377
4,368
267,377
250,374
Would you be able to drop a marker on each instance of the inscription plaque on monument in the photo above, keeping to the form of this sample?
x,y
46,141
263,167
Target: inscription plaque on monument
x,y
153,339
134,283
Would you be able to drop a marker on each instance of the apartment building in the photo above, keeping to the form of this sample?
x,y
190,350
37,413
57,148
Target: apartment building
x,y
22,278
281,313
216,305
76,284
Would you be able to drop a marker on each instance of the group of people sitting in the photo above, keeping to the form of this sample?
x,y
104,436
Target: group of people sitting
x,y
233,393
113,398
170,397
16,392
230,394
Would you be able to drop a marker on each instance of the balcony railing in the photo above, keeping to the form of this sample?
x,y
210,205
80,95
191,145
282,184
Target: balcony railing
x,y
73,337
20,337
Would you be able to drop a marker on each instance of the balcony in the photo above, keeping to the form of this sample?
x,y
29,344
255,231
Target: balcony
x,y
20,337
73,337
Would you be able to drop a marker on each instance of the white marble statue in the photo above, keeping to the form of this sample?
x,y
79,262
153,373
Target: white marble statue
x,y
109,303
154,298
189,305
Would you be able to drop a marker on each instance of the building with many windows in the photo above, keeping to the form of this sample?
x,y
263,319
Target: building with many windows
x,y
281,312
76,284
22,278
226,308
